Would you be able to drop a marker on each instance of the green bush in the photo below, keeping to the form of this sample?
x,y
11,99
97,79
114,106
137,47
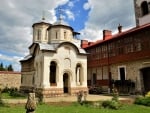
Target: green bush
x,y
1,101
106,103
143,101
148,94
13,92
112,104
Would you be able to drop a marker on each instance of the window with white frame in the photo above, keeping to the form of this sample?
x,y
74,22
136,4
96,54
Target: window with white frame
x,y
122,73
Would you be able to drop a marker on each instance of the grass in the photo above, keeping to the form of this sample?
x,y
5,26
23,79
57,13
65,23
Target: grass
x,y
8,96
75,108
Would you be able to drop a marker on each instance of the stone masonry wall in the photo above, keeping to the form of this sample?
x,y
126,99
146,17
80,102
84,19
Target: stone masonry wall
x,y
10,79
132,71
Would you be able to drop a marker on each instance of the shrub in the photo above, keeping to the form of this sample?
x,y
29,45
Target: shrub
x,y
1,101
5,90
112,104
106,103
148,94
95,90
12,92
142,101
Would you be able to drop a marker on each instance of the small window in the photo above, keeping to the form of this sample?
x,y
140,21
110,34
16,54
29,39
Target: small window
x,y
38,34
56,34
21,79
144,7
65,36
33,80
94,79
46,34
122,73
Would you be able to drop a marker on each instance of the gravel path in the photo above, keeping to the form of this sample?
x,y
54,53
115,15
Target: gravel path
x,y
68,99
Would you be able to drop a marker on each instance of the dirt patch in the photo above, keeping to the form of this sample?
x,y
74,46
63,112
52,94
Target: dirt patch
x,y
127,101
59,103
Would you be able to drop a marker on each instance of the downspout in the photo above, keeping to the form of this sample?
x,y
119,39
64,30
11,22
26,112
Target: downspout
x,y
108,66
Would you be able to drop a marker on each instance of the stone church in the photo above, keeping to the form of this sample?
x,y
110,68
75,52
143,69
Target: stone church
x,y
56,64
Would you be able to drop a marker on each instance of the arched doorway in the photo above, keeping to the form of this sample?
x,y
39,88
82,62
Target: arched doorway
x,y
66,83
52,78
146,78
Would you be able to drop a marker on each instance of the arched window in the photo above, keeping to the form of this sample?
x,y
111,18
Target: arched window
x,y
38,34
53,72
33,80
21,79
56,34
65,35
78,74
144,7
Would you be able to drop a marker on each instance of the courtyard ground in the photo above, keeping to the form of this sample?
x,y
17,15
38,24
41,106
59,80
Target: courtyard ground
x,y
68,98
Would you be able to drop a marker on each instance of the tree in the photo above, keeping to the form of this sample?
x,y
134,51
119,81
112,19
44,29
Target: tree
x,y
10,68
6,68
2,67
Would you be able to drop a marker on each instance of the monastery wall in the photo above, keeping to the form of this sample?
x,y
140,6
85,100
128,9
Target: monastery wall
x,y
10,79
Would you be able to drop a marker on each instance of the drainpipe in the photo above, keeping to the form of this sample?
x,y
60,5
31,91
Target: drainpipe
x,y
108,66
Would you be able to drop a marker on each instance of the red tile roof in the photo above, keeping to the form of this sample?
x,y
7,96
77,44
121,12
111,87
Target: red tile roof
x,y
10,72
119,35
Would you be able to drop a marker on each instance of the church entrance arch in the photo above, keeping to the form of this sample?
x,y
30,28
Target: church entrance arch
x,y
66,83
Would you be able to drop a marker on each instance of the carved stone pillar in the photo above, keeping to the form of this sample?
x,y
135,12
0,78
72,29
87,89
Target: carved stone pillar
x,y
31,103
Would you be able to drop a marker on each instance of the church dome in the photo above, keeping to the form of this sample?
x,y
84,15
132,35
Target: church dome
x,y
42,22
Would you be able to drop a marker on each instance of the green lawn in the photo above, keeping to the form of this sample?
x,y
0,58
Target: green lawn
x,y
75,108
8,96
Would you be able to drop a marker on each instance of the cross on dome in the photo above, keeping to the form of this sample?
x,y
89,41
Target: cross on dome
x,y
43,15
60,11
60,20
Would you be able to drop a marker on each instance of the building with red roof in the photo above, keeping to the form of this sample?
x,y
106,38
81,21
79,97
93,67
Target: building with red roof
x,y
122,59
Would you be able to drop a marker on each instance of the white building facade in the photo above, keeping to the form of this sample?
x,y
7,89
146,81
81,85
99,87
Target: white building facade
x,y
56,63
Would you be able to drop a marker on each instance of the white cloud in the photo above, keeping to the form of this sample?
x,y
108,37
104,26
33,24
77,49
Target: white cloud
x,y
70,14
71,4
107,15
86,6
88,34
14,60
17,17
53,17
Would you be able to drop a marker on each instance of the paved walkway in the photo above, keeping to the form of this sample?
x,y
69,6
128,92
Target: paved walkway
x,y
69,99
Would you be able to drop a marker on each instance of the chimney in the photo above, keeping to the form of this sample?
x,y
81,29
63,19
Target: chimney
x,y
119,28
107,34
84,43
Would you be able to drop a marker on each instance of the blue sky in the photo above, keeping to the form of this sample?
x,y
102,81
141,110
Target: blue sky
x,y
89,17
79,14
